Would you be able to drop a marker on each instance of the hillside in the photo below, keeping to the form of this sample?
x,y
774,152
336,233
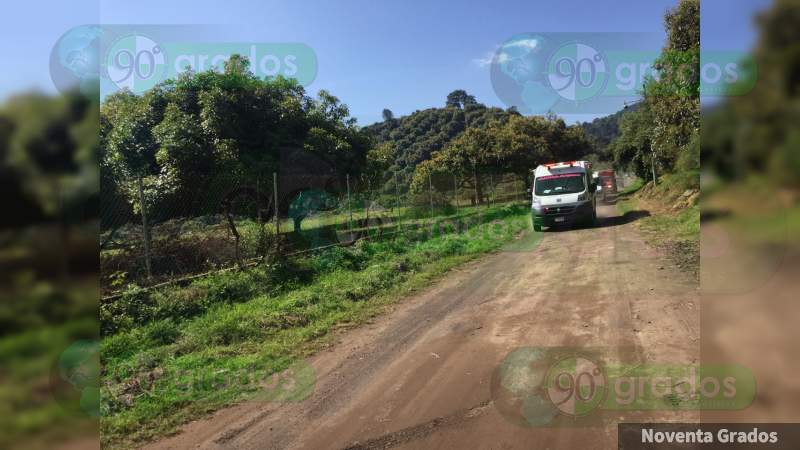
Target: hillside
x,y
417,135
603,130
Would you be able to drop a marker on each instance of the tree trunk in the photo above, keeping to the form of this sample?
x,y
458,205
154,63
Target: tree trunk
x,y
476,179
297,221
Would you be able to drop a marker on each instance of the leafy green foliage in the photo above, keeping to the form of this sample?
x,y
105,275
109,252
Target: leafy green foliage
x,y
460,99
515,145
604,130
633,148
414,138
265,330
48,157
756,133
665,129
185,135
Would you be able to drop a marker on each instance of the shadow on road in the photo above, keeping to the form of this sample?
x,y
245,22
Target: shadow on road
x,y
603,222
628,217
610,201
710,214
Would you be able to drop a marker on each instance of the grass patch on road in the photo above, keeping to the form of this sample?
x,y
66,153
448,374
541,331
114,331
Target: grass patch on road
x,y
264,321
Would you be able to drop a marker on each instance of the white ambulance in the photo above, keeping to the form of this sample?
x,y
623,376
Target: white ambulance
x,y
563,194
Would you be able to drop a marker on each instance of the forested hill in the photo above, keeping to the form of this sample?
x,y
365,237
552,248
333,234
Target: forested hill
x,y
603,130
415,136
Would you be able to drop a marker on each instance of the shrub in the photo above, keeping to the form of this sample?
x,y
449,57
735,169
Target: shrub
x,y
337,258
121,345
784,164
162,332
226,287
450,245
423,211
221,327
180,303
134,307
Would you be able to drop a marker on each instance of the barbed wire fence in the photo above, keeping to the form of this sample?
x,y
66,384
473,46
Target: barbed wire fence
x,y
235,221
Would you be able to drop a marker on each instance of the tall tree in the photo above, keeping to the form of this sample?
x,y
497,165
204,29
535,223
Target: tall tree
x,y
674,99
664,129
460,99
516,146
757,132
203,129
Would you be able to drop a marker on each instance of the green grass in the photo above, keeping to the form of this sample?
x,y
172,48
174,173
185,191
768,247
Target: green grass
x,y
681,225
632,188
139,306
781,227
28,355
757,211
261,323
191,246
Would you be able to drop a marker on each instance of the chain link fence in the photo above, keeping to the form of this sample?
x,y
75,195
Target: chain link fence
x,y
147,238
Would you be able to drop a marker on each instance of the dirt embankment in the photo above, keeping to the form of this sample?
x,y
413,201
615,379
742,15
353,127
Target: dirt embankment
x,y
672,221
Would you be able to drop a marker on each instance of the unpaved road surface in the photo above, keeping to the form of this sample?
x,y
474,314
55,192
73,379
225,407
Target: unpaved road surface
x,y
420,376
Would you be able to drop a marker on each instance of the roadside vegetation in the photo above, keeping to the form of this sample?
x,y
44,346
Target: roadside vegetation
x,y
48,265
759,216
201,155
661,133
264,318
751,162
43,319
673,206
671,217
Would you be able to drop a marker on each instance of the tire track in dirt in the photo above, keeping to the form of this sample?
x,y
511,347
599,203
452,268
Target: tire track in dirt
x,y
413,378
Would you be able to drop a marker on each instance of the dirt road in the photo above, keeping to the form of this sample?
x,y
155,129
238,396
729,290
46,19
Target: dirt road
x,y
421,375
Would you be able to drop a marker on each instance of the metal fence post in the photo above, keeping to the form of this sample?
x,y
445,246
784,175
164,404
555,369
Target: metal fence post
x,y
475,180
430,192
491,196
653,161
349,209
145,230
275,200
258,199
455,191
397,194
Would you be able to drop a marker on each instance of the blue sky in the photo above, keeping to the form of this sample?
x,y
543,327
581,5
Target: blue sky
x,y
401,55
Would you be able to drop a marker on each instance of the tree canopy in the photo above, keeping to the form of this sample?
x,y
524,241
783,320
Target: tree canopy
x,y
460,99
667,125
515,146
185,134
415,137
757,132
48,157
472,140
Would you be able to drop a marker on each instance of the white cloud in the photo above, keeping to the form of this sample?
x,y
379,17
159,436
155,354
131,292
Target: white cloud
x,y
492,57
485,61
501,56
528,44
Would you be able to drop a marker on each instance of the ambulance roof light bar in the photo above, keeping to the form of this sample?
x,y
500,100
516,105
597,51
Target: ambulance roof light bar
x,y
561,165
